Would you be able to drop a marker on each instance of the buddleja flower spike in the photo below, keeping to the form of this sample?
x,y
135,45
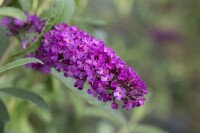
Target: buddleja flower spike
x,y
87,59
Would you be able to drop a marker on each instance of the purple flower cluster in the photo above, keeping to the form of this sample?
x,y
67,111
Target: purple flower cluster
x,y
84,58
16,26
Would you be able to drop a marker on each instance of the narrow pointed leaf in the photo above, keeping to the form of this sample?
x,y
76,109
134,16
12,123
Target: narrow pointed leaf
x,y
19,62
26,95
12,12
4,116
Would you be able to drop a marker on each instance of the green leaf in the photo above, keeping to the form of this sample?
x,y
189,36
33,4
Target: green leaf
x,y
4,116
19,62
35,45
144,128
65,9
69,82
26,95
12,12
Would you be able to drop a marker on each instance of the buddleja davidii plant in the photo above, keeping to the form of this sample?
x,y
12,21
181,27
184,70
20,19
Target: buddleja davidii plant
x,y
72,52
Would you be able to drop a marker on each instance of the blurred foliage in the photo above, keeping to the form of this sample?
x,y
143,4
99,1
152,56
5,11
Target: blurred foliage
x,y
159,38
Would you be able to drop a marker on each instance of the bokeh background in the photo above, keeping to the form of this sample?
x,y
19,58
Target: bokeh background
x,y
158,38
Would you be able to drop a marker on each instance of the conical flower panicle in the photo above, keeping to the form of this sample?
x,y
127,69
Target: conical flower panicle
x,y
85,59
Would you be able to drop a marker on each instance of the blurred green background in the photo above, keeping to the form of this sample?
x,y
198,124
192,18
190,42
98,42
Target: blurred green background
x,y
158,38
